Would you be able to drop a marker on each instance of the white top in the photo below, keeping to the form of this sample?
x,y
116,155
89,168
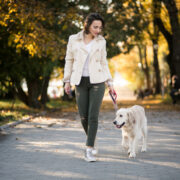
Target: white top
x,y
85,72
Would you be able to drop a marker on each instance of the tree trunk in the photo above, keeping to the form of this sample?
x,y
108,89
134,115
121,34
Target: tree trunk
x,y
34,90
175,27
156,67
44,97
20,93
156,14
173,39
146,69
168,38
144,66
37,92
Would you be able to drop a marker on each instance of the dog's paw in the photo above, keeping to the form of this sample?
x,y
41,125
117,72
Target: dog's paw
x,y
132,155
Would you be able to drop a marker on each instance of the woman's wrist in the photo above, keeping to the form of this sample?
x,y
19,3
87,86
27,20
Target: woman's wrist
x,y
67,82
109,83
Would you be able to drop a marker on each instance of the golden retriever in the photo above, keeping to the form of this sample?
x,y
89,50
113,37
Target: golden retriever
x,y
133,123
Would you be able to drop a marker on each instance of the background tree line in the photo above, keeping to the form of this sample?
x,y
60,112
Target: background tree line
x,y
34,34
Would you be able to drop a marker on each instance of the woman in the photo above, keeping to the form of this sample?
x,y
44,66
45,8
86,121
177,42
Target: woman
x,y
86,67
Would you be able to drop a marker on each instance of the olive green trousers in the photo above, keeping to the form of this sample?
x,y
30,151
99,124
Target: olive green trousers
x,y
89,98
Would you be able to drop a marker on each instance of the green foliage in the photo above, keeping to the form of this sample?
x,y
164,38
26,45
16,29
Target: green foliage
x,y
13,110
33,37
34,34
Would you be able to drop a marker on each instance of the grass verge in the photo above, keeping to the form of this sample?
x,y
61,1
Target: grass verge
x,y
13,110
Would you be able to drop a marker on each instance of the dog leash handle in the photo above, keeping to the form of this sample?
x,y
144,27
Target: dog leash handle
x,y
113,97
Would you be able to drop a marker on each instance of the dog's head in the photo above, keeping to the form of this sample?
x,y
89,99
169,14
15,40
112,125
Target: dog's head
x,y
123,117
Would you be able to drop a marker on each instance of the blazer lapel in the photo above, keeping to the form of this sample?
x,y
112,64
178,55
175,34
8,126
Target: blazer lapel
x,y
95,44
80,38
95,47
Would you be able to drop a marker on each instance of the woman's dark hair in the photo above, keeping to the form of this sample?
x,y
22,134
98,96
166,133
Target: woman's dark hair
x,y
90,18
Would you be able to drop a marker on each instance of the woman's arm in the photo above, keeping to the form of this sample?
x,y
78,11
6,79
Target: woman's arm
x,y
105,66
68,61
68,66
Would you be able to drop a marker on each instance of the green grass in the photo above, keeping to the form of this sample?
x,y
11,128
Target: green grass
x,y
61,105
8,117
13,110
167,99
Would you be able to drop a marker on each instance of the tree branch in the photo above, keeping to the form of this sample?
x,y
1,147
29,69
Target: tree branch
x,y
163,30
20,93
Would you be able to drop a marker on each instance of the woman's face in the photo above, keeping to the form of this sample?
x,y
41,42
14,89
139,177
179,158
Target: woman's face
x,y
95,28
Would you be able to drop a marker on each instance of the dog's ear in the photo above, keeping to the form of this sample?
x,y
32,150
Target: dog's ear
x,y
131,118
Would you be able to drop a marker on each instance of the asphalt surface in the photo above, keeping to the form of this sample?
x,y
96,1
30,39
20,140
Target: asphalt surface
x,y
53,149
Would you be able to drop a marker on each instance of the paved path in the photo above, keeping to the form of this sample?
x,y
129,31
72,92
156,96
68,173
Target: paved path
x,y
52,149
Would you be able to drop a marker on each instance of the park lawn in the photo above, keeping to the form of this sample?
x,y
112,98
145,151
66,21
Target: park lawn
x,y
62,106
15,110
156,103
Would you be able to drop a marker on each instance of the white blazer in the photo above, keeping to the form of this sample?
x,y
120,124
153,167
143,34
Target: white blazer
x,y
76,55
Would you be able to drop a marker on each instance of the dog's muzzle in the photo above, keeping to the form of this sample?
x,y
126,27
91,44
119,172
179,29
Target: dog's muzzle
x,y
119,126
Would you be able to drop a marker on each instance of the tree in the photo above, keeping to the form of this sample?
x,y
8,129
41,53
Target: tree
x,y
172,37
34,44
34,35
154,38
144,63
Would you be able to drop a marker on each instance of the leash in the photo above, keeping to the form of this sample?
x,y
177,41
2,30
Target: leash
x,y
114,97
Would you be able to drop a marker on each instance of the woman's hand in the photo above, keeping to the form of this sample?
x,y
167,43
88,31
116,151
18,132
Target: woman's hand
x,y
67,88
113,95
111,88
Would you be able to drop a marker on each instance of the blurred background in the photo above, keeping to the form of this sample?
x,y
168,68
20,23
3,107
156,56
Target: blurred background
x,y
143,48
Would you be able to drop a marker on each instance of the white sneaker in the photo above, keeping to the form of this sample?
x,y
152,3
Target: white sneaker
x,y
94,151
89,156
